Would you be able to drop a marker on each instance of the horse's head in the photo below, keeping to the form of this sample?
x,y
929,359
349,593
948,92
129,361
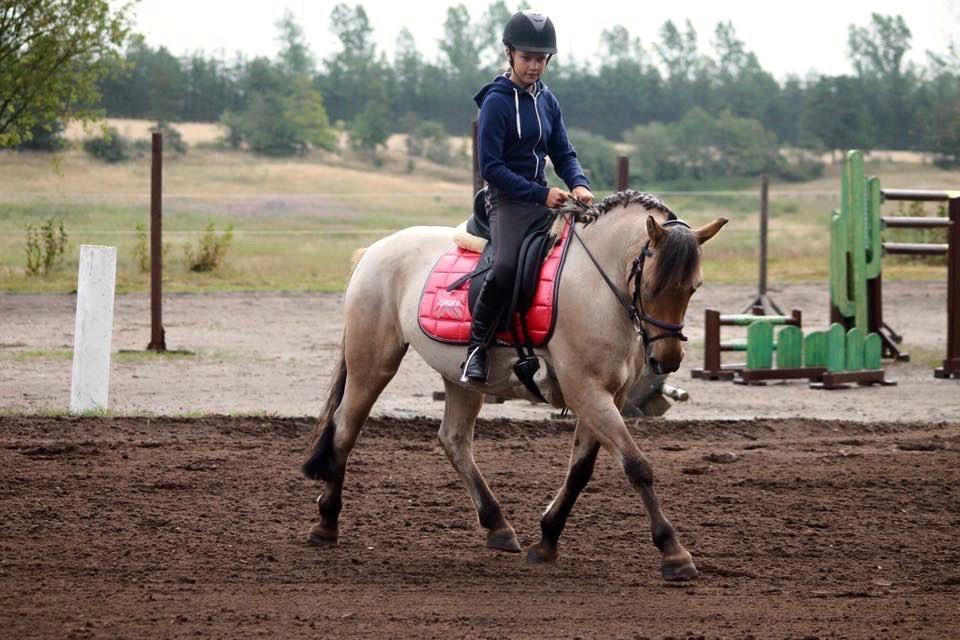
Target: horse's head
x,y
671,274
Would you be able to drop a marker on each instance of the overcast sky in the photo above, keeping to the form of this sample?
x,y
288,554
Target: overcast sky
x,y
788,37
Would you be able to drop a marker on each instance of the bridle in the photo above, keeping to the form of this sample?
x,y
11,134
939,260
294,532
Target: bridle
x,y
634,305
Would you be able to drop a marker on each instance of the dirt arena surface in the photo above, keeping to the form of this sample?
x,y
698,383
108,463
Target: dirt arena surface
x,y
160,527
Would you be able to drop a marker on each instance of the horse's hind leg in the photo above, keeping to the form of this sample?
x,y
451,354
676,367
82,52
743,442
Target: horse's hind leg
x,y
368,364
582,459
456,436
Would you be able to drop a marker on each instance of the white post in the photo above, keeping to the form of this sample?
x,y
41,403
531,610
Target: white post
x,y
94,328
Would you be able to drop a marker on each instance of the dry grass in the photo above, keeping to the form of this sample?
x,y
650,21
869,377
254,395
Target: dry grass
x,y
297,221
193,133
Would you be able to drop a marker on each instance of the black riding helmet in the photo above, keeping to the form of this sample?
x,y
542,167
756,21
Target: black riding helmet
x,y
530,31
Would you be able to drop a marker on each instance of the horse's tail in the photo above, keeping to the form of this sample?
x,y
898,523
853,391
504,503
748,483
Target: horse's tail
x,y
322,464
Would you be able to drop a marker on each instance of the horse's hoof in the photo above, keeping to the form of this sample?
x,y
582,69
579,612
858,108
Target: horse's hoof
x,y
680,572
321,535
541,554
503,540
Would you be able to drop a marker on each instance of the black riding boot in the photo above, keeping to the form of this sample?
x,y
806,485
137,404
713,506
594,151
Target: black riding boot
x,y
486,313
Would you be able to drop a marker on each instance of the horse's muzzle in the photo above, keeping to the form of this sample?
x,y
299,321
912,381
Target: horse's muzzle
x,y
658,367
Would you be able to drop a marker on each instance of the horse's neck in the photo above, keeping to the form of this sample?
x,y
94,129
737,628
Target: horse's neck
x,y
615,239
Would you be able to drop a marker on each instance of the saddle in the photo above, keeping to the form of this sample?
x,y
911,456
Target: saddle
x,y
528,320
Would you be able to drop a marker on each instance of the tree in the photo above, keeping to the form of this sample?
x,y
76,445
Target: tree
x,y
284,113
52,53
295,56
408,70
354,73
371,127
877,54
489,36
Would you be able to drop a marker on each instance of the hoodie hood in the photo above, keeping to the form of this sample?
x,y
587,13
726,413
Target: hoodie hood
x,y
503,84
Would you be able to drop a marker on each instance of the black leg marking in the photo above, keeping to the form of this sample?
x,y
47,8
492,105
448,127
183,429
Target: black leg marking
x,y
322,463
639,472
554,520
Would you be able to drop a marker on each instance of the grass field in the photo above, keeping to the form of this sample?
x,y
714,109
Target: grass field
x,y
296,222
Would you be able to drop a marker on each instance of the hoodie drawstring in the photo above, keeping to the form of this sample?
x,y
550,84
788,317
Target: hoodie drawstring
x,y
516,102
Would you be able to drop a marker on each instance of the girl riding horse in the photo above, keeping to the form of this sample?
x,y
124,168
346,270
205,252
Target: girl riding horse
x,y
518,126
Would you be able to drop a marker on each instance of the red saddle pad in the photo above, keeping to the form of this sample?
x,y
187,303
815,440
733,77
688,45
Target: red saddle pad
x,y
444,315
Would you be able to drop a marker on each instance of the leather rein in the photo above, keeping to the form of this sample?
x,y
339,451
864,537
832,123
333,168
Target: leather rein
x,y
634,305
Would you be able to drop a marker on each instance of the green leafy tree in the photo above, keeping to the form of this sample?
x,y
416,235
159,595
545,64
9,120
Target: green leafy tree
x,y
52,53
355,74
284,112
408,73
877,52
597,156
654,156
835,113
371,127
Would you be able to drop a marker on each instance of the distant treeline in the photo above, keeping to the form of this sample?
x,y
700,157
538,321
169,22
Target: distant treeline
x,y
667,93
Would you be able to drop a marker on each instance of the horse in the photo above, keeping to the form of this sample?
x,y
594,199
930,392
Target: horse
x,y
627,248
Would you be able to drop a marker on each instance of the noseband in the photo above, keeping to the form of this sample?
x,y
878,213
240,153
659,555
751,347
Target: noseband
x,y
634,306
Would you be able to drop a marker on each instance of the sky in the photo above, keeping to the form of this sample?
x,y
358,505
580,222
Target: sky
x,y
788,37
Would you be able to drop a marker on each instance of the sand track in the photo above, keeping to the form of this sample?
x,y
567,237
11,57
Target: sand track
x,y
134,527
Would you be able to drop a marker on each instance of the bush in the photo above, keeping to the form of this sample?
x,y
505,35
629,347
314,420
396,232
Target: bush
x,y
46,247
211,250
110,147
371,127
45,137
597,156
141,250
172,139
431,140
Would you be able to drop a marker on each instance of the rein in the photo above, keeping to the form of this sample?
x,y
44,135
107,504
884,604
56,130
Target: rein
x,y
634,306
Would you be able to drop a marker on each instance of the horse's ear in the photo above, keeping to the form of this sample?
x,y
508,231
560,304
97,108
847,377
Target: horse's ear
x,y
655,231
709,230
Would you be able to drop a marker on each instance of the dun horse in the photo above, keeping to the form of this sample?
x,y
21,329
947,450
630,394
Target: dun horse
x,y
631,256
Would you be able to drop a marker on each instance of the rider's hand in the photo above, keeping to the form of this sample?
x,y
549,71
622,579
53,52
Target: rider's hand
x,y
583,194
556,198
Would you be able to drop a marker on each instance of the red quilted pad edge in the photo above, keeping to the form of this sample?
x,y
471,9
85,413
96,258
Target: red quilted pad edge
x,y
444,316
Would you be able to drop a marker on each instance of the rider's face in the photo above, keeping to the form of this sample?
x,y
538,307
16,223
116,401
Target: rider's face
x,y
529,66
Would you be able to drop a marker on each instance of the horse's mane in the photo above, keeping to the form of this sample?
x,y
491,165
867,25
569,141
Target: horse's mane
x,y
622,199
678,253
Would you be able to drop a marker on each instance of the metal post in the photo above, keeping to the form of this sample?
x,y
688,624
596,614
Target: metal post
x,y
623,173
951,365
477,178
764,213
157,335
763,301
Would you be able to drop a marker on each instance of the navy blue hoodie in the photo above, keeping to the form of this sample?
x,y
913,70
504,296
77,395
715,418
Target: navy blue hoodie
x,y
516,130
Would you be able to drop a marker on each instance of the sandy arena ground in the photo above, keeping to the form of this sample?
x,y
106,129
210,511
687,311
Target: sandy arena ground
x,y
272,353
177,528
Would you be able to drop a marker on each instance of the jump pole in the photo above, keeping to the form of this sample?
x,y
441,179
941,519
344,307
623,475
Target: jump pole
x,y
762,302
93,331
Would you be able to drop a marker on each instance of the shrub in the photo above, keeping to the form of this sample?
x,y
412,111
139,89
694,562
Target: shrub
x,y
172,139
45,137
371,127
211,250
431,140
597,156
141,250
110,147
46,247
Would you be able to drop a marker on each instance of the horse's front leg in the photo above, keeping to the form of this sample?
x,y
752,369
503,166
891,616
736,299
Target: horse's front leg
x,y
598,412
582,459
